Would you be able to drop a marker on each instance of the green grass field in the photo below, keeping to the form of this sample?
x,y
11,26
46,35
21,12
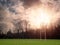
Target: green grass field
x,y
28,42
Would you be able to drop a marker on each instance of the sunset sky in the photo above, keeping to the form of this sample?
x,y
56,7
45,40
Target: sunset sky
x,y
39,14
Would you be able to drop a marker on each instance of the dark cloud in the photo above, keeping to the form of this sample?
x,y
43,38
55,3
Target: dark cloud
x,y
28,3
8,3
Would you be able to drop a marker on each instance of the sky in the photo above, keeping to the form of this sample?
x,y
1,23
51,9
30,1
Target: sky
x,y
16,9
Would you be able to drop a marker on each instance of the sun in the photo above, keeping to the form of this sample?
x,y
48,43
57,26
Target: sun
x,y
40,17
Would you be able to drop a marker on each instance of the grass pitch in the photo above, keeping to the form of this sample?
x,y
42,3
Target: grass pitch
x,y
28,42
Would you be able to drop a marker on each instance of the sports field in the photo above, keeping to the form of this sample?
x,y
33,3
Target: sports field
x,y
28,42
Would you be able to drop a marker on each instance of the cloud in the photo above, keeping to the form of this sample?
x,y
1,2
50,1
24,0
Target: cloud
x,y
29,3
16,9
